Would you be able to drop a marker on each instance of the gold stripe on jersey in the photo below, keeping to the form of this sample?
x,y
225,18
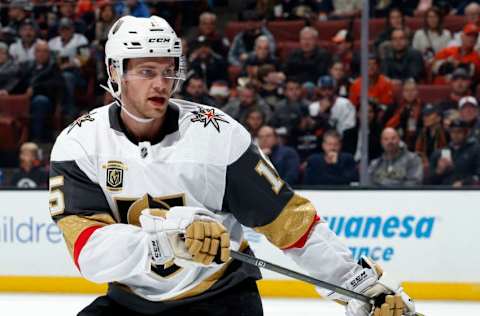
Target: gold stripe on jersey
x,y
208,282
139,204
291,224
73,225
134,211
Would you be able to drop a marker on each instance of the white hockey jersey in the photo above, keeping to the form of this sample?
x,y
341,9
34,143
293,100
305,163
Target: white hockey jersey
x,y
201,158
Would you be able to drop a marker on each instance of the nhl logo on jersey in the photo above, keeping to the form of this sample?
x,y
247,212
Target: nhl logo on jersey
x,y
114,175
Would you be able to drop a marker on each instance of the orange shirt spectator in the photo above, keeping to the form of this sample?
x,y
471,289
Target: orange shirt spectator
x,y
380,87
380,91
464,54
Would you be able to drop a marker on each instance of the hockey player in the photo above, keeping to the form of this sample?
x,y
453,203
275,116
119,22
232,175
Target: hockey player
x,y
150,193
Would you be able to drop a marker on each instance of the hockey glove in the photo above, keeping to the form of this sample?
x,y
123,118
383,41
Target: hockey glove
x,y
185,236
371,281
206,240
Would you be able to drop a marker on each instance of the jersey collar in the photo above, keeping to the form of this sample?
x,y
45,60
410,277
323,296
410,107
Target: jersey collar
x,y
170,125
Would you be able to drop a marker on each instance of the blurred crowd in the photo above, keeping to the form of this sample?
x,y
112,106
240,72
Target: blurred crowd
x,y
288,70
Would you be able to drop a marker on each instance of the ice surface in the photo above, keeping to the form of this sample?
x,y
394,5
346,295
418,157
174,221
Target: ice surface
x,y
69,305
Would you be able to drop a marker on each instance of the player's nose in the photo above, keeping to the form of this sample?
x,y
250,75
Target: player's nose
x,y
161,83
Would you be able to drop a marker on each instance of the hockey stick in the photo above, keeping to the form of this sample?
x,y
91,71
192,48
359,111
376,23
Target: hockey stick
x,y
303,277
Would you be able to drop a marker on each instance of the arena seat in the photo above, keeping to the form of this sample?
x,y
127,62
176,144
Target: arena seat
x,y
454,23
15,105
328,29
429,93
286,30
375,27
358,43
235,27
414,23
433,93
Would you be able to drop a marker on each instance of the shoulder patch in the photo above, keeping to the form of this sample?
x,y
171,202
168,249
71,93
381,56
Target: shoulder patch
x,y
207,116
79,121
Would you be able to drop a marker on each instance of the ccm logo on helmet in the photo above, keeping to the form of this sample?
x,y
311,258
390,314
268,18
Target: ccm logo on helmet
x,y
159,40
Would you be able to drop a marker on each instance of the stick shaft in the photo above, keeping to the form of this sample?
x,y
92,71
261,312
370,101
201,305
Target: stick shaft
x,y
296,275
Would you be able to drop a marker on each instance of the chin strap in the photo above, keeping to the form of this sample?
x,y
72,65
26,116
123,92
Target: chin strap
x,y
119,103
136,118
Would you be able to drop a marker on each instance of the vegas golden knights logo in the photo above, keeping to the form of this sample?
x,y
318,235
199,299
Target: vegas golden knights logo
x,y
114,175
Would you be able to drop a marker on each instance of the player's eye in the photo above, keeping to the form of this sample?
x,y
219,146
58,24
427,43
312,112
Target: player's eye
x,y
168,72
147,73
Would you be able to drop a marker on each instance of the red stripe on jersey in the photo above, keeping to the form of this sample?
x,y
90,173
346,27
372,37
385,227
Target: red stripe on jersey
x,y
302,241
81,241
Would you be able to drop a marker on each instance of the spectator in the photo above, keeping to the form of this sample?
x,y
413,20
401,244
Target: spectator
x,y
332,167
23,49
284,158
397,166
309,91
337,72
137,8
344,52
400,61
306,136
406,115
457,164
309,62
66,46
339,111
460,87
206,63
195,91
254,120
470,115
395,21
84,8
42,80
289,111
270,82
298,9
462,55
30,174
382,8
433,37
433,135
352,142
207,26
106,18
472,15
17,13
220,93
247,99
423,6
179,13
66,9
260,56
41,14
346,9
380,88
8,71
243,44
